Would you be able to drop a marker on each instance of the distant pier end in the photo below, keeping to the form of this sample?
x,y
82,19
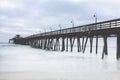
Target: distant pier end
x,y
16,39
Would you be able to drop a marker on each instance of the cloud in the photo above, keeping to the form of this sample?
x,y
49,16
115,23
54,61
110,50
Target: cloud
x,y
26,17
9,4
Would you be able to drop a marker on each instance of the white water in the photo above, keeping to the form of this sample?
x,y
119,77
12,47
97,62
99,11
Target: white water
x,y
18,62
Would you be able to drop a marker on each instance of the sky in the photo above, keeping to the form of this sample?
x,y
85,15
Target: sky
x,y
28,17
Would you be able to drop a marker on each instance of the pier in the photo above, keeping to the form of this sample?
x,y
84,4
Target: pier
x,y
59,39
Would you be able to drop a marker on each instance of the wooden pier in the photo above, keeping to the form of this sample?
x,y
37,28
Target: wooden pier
x,y
59,39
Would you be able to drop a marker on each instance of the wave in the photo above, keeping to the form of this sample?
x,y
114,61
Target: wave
x,y
6,45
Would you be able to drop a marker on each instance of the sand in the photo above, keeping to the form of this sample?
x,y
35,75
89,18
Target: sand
x,y
60,76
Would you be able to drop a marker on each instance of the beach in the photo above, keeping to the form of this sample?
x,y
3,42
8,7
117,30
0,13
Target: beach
x,y
60,76
19,62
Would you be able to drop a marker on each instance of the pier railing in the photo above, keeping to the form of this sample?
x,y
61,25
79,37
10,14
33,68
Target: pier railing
x,y
89,27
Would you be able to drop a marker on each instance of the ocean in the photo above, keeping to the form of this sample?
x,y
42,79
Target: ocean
x,y
21,62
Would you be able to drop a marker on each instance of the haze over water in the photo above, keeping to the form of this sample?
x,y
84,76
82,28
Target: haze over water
x,y
19,62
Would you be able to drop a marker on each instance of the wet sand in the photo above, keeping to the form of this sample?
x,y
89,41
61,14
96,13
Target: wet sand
x,y
60,76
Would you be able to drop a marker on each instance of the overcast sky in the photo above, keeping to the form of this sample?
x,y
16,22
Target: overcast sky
x,y
27,17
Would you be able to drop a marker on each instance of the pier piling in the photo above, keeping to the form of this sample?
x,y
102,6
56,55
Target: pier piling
x,y
118,47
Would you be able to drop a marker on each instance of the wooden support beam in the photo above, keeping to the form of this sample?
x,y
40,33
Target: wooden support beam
x,y
42,43
82,42
63,44
118,47
45,43
67,44
32,42
34,45
38,43
85,44
96,44
78,44
91,43
54,45
51,44
106,46
72,43
105,50
57,44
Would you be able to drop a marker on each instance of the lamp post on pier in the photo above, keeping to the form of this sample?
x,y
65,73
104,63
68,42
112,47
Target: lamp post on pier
x,y
51,30
45,31
72,26
95,16
60,28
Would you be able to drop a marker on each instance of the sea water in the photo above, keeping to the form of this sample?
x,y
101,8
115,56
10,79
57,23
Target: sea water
x,y
20,62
